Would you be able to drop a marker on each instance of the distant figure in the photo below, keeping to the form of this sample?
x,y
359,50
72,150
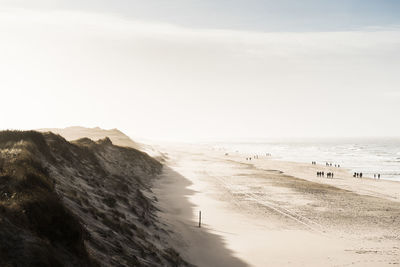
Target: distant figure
x,y
332,175
323,174
374,176
379,176
338,165
360,174
357,174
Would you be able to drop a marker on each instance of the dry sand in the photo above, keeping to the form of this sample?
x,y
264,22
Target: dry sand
x,y
275,213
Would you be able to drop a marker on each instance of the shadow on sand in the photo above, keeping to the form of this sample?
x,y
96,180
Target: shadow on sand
x,y
197,245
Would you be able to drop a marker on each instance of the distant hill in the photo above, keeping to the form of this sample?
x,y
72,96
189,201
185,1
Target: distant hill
x,y
80,203
76,132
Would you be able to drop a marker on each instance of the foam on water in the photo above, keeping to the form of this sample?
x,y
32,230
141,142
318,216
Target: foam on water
x,y
369,156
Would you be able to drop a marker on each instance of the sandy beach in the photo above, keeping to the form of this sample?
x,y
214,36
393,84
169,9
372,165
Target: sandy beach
x,y
274,213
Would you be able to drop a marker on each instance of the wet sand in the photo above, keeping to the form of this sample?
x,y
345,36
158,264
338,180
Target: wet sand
x,y
274,213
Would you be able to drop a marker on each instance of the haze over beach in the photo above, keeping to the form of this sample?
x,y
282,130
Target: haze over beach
x,y
224,70
199,133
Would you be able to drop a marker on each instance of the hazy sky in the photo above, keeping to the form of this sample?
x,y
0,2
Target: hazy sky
x,y
194,70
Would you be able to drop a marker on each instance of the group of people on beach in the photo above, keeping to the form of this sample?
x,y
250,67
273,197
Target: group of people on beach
x,y
377,176
256,156
328,175
330,165
322,174
327,164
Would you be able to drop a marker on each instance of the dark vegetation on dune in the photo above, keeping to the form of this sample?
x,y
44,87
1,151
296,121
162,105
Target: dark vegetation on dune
x,y
80,203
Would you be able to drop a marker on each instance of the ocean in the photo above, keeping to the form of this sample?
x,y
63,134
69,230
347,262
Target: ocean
x,y
369,156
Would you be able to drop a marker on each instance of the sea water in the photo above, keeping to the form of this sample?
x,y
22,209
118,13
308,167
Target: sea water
x,y
369,156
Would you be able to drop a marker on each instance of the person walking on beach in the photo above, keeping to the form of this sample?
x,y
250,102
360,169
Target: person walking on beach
x,y
360,174
379,176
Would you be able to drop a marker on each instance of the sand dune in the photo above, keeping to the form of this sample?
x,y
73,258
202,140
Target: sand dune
x,y
77,132
80,203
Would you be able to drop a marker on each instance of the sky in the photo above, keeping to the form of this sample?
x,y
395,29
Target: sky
x,y
191,70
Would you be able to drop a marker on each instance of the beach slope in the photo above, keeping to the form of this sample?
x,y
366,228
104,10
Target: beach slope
x,y
272,213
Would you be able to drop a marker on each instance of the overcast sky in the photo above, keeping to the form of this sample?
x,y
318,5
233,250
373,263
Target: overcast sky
x,y
195,70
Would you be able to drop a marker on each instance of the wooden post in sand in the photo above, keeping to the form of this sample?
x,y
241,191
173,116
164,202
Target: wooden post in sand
x,y
199,219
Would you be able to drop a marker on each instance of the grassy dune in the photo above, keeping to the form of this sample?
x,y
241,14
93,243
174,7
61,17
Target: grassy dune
x,y
80,203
